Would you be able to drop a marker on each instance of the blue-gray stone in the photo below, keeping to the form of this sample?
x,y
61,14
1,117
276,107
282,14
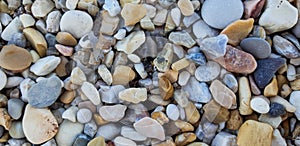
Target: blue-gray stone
x,y
214,47
45,92
285,47
90,129
198,58
276,109
81,140
15,107
198,91
18,39
258,47
266,68
51,40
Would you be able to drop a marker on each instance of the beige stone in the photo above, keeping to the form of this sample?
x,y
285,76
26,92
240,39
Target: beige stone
x,y
160,117
37,40
109,23
180,64
184,126
186,7
172,75
244,96
65,38
285,90
185,138
64,50
295,85
215,113
77,76
123,75
133,13
105,74
235,120
147,24
133,95
97,141
222,94
271,89
5,119
191,113
67,97
132,42
166,88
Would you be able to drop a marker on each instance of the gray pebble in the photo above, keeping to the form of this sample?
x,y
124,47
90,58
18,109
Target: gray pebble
x,y
18,39
51,40
90,129
84,115
52,21
109,131
81,140
16,130
15,107
285,47
16,142
231,82
58,114
296,29
258,47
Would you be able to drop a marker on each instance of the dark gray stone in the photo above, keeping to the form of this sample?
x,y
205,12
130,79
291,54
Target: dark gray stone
x,y
51,40
258,47
276,109
15,107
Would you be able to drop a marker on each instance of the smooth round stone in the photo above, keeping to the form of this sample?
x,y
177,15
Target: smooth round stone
x,y
109,131
230,81
45,65
76,22
207,72
150,128
130,133
113,113
220,13
3,80
15,107
84,115
16,130
260,104
258,47
14,58
67,133
40,8
172,112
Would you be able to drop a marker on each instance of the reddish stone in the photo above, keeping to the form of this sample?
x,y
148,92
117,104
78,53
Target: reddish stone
x,y
253,8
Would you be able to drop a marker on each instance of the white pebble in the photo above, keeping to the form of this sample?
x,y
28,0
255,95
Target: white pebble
x,y
172,112
260,104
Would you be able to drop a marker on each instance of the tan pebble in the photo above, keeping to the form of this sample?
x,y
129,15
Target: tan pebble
x,y
5,137
285,90
66,38
37,40
170,24
185,138
168,142
222,94
295,85
184,126
281,79
180,64
271,89
133,13
133,95
123,75
64,50
192,114
160,17
147,24
15,58
99,120
283,69
244,96
235,120
109,23
166,88
172,75
158,100
215,113
160,117
67,97
186,7
35,56
5,119
238,30
3,100
123,2
255,133
97,141
77,76
61,69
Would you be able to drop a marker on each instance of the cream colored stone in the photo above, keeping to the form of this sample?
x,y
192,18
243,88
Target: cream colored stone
x,y
180,64
123,75
288,106
133,13
77,76
37,40
132,42
90,91
244,96
134,95
186,7
260,104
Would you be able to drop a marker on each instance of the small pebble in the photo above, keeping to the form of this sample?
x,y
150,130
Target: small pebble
x,y
198,92
84,115
40,8
16,130
90,91
276,109
207,72
186,7
112,113
134,95
149,128
172,112
260,104
214,47
3,80
65,136
45,65
133,13
15,107
258,47
120,141
198,58
222,95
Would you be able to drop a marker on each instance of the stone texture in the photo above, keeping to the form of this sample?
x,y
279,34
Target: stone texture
x,y
45,65
213,112
166,88
231,82
90,91
172,112
260,104
36,40
271,89
192,114
5,119
27,20
134,95
224,139
131,133
77,76
253,8
133,13
244,96
258,47
109,23
288,106
198,58
149,128
3,80
235,120
112,6
284,47
15,107
97,141
84,115
64,50
276,109
132,42
182,38
164,58
198,92
52,21
119,141
185,138
40,8
222,95
112,113
207,72
294,100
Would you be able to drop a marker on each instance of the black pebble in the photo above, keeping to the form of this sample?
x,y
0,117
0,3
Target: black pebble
x,y
276,109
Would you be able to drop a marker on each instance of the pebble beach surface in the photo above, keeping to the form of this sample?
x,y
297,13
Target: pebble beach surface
x,y
149,72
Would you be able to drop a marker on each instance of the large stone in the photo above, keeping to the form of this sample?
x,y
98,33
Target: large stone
x,y
12,28
150,128
39,124
258,47
132,42
133,13
45,65
285,47
134,95
36,40
222,94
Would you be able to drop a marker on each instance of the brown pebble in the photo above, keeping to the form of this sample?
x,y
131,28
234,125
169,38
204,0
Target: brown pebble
x,y
160,117
184,126
37,40
5,119
295,85
172,75
66,38
215,113
133,13
254,89
235,120
192,114
281,79
185,138
99,120
67,97
166,88
61,69
271,89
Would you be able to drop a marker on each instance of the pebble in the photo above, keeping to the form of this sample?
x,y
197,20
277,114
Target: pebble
x,y
253,8
220,13
295,85
284,11
222,95
172,112
214,47
277,139
185,138
109,131
271,89
186,7
39,124
198,92
244,96
150,128
71,4
112,6
276,109
287,105
231,82
180,64
181,97
206,131
165,87
176,16
64,50
5,19
198,58
15,107
14,58
294,100
284,47
224,139
266,68
201,30
105,74
78,23
235,120
213,112
109,94
183,78
5,119
3,80
273,121
13,81
13,27
67,133
164,58
238,30
41,26
189,20
27,20
109,23
81,140
122,141
258,47
70,114
130,133
120,34
182,38
260,104
112,113
160,17
97,141
18,39
16,130
65,38
133,95
132,42
291,72
207,72
140,69
84,115
40,8
123,75
191,113
36,40
261,133
133,13
90,91
147,24
77,76
237,61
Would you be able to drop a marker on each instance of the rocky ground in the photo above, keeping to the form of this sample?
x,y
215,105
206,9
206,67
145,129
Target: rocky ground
x,y
149,72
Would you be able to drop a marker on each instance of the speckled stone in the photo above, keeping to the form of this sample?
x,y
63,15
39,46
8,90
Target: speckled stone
x,y
285,47
258,47
276,109
207,72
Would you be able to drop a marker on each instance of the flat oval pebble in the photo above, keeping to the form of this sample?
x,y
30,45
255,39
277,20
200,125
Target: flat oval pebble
x,y
207,72
14,58
134,95
186,7
122,141
112,113
150,128
260,104
45,65
132,134
90,91
3,80
84,115
222,95
15,107
172,112
65,38
37,40
220,13
76,22
258,47
67,133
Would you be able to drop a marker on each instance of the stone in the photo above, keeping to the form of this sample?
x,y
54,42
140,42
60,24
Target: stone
x,y
147,24
186,7
182,38
149,128
266,68
27,20
253,8
271,89
206,131
14,58
67,133
197,58
185,138
109,131
224,139
220,13
244,96
77,76
112,113
71,4
90,91
176,16
15,107
284,47
198,92
130,133
123,75
78,23
237,61
5,19
45,65
255,133
214,47
192,114
122,141
294,100
81,140
109,23
133,95
231,82
105,74
277,139
197,144
13,27
97,141
235,120
284,11
112,6
172,112
65,38
13,81
160,17
36,40
3,80
84,115
222,95
52,21
41,26
180,64
238,30
213,112
16,130
273,121
109,94
18,39
64,50
207,72
39,124
166,88
184,126
295,85
287,105
258,47
276,109
45,92
260,104
206,31
70,114
41,8
133,13
189,20
291,72
181,97
5,119
183,78
132,42
164,58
